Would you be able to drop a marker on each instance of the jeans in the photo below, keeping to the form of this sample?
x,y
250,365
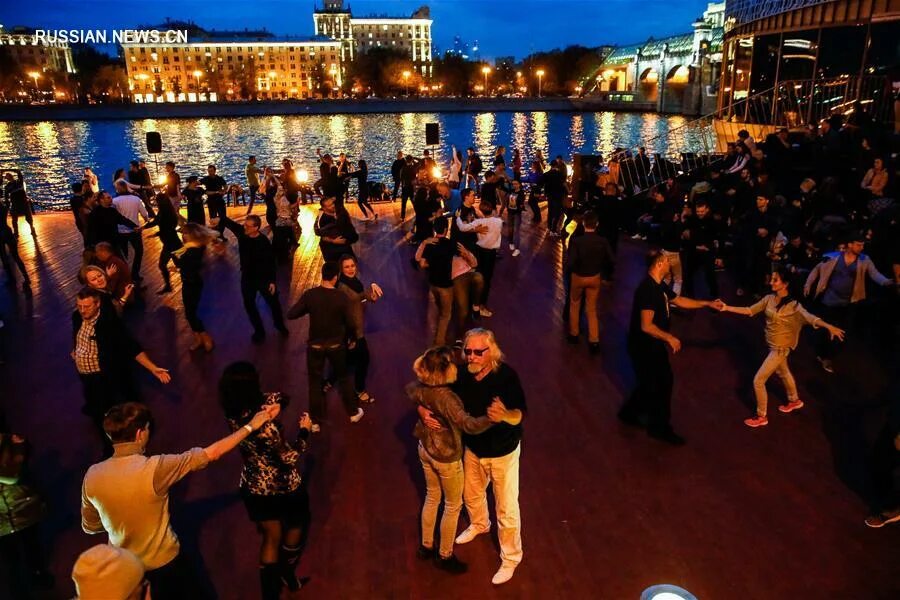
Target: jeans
x,y
467,287
175,580
249,289
590,287
358,359
164,257
215,204
190,297
487,260
315,365
514,227
443,299
653,393
675,264
253,190
447,479
775,362
554,213
503,472
534,205
706,262
137,242
407,192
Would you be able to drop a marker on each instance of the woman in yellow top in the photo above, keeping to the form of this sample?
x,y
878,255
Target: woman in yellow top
x,y
785,317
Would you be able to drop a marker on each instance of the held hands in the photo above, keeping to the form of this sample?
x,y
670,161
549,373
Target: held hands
x,y
496,412
717,304
266,414
271,288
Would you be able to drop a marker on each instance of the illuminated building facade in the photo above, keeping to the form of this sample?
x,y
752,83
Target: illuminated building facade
x,y
676,74
44,56
220,68
357,35
809,45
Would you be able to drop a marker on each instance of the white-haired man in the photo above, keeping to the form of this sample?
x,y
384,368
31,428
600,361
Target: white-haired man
x,y
488,386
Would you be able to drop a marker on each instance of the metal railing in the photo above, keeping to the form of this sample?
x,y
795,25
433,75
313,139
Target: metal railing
x,y
792,104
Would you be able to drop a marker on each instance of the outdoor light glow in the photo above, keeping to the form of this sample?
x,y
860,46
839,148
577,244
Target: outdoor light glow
x,y
272,74
163,179
302,176
540,72
406,74
436,172
518,73
485,70
35,75
197,74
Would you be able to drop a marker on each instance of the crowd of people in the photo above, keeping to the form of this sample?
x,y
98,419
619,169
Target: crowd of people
x,y
789,217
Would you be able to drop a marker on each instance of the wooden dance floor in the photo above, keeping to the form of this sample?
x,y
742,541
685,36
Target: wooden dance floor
x,y
735,514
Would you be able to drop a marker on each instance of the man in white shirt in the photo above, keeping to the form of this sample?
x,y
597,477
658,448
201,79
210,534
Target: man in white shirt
x,y
130,206
490,231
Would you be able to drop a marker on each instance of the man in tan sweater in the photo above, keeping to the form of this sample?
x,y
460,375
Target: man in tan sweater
x,y
127,495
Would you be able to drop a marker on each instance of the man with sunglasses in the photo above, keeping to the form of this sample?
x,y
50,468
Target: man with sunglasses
x,y
127,495
488,386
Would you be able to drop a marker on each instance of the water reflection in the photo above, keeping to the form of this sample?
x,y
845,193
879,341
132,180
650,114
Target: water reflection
x,y
52,154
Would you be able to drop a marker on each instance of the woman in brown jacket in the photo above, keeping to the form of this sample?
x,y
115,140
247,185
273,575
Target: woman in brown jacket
x,y
358,355
441,450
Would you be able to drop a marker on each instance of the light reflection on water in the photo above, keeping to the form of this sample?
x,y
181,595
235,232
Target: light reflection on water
x,y
53,154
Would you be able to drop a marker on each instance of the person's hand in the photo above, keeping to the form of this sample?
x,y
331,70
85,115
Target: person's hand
x,y
496,412
351,344
717,304
273,409
128,289
674,343
271,288
719,263
762,232
377,291
111,270
835,332
428,419
305,421
686,234
702,248
481,229
262,417
431,240
339,240
72,354
161,374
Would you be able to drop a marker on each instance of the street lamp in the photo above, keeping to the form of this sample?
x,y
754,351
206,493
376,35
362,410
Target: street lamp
x,y
540,74
406,75
198,74
35,75
485,70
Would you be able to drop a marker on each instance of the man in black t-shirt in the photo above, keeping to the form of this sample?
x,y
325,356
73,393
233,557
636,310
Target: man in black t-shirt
x,y
488,386
436,255
215,187
648,338
330,323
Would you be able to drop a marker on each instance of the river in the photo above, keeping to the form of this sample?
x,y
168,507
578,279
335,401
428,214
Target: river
x,y
52,154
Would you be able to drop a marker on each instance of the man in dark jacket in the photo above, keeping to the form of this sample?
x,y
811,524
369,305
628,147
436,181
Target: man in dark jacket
x,y
701,244
257,274
335,230
103,222
589,259
396,171
103,350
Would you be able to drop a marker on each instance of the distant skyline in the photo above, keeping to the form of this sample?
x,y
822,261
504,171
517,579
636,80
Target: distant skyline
x,y
501,27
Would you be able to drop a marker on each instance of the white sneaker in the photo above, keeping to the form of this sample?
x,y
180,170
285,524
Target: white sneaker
x,y
358,416
470,534
512,246
516,252
503,574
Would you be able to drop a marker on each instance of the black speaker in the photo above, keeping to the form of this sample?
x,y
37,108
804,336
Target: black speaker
x,y
154,142
432,134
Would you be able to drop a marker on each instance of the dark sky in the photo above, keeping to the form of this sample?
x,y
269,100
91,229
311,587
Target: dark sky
x,y
502,27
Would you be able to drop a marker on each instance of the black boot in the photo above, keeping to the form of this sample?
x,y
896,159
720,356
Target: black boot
x,y
270,581
288,556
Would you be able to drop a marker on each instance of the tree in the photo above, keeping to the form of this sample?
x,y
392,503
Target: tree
x,y
380,70
455,74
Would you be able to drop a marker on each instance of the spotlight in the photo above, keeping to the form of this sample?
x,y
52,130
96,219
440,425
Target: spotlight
x,y
666,591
